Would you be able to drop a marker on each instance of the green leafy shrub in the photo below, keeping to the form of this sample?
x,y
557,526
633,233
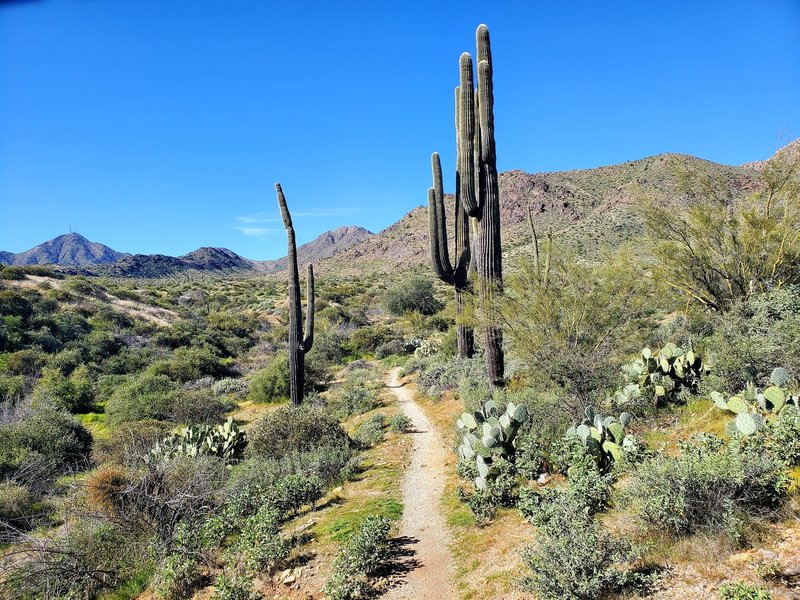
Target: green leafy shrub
x,y
47,437
230,386
574,557
704,486
271,384
16,507
198,406
414,294
295,428
144,396
370,432
739,590
399,423
355,396
260,540
360,557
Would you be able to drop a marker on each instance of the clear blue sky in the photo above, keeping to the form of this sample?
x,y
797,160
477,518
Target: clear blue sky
x,y
161,126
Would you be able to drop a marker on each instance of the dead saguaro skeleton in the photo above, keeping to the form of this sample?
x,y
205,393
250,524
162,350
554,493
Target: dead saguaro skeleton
x,y
299,344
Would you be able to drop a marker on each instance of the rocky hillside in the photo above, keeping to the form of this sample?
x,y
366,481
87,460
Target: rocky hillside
x,y
71,249
324,246
588,210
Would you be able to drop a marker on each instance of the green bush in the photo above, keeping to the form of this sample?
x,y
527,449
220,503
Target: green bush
x,y
16,506
46,436
271,384
144,396
574,557
360,557
739,590
370,432
355,396
412,295
73,393
706,486
190,363
399,423
783,435
295,428
260,540
198,406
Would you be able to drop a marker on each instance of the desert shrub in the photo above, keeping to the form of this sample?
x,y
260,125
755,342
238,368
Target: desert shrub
x,y
81,560
129,360
392,347
11,387
105,488
783,436
16,507
414,294
144,396
74,393
188,363
440,373
740,590
717,249
360,557
45,436
706,486
129,443
12,273
366,339
754,336
230,386
260,540
166,493
295,428
574,557
25,362
573,330
271,384
370,432
176,575
235,587
198,406
356,395
291,492
399,423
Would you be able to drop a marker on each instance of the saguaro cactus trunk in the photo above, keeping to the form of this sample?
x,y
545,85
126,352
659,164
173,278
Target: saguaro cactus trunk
x,y
478,186
455,274
299,344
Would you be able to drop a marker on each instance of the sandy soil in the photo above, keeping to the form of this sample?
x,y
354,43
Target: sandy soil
x,y
424,559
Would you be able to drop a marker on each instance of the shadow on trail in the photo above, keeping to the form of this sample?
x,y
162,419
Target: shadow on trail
x,y
401,560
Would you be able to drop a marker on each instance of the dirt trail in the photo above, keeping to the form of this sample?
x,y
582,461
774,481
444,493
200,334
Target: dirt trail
x,y
425,561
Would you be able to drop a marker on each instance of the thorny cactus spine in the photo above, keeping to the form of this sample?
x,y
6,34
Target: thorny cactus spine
x,y
299,344
455,274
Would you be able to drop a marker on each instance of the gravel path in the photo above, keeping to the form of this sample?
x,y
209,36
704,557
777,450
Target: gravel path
x,y
424,559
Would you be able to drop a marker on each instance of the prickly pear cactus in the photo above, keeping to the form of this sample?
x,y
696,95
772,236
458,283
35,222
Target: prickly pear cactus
x,y
753,407
225,441
604,438
665,375
489,434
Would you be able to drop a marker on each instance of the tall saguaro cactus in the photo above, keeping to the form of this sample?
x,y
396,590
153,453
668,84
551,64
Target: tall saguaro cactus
x,y
477,166
455,274
299,344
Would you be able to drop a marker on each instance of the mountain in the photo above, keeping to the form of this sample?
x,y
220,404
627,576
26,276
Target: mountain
x,y
588,210
71,249
328,244
75,254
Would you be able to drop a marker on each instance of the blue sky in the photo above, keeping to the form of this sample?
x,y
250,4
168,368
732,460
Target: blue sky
x,y
157,126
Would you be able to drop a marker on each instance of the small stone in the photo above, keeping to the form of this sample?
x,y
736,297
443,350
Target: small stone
x,y
289,580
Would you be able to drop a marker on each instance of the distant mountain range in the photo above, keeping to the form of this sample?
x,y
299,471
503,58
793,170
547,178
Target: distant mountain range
x,y
73,253
588,210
